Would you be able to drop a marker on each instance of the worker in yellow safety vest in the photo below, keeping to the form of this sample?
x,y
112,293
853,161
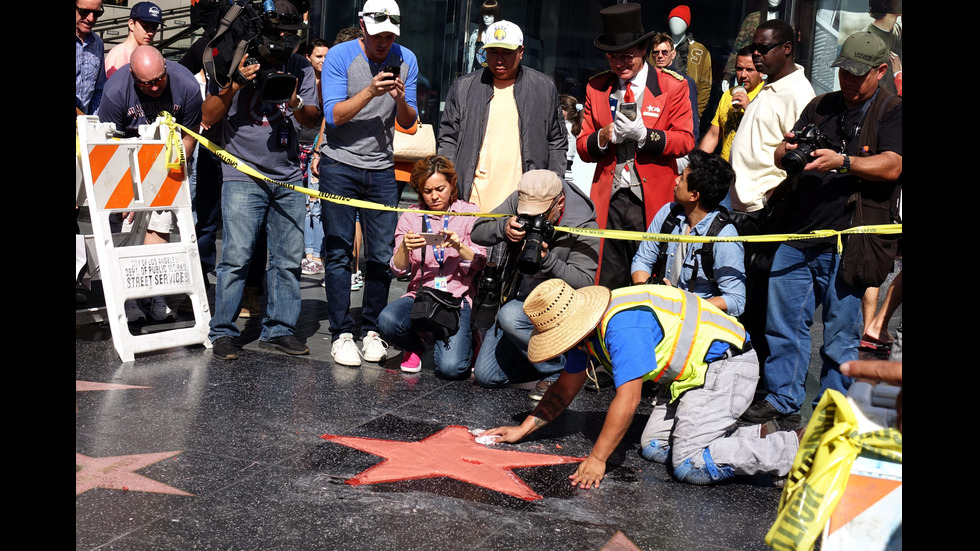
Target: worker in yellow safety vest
x,y
701,357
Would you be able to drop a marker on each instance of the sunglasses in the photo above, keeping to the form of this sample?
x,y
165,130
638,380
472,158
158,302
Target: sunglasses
x,y
764,49
623,58
149,83
662,53
381,17
85,13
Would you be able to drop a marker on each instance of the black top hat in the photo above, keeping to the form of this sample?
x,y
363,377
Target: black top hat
x,y
623,28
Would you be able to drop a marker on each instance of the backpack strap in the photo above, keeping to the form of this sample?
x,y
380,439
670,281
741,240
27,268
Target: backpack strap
x,y
667,228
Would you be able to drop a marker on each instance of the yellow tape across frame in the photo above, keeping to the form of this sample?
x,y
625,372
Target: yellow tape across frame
x,y
883,229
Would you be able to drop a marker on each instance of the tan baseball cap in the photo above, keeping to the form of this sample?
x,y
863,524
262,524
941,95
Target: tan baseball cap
x,y
537,191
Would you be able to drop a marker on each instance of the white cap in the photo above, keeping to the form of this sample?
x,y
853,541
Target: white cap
x,y
504,34
383,8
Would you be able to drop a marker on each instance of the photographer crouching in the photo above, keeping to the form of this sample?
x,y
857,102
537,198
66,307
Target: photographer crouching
x,y
535,253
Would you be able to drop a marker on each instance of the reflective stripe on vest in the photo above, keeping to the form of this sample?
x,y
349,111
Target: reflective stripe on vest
x,y
689,324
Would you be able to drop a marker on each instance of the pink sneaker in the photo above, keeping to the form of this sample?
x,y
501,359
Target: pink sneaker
x,y
411,362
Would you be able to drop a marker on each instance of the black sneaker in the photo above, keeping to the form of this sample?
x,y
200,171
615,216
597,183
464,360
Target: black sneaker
x,y
763,412
224,349
286,343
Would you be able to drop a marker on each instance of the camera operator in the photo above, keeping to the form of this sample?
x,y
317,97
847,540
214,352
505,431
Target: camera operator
x,y
541,201
264,135
858,161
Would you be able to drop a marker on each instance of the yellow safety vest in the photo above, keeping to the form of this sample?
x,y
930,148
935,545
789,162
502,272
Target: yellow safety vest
x,y
689,323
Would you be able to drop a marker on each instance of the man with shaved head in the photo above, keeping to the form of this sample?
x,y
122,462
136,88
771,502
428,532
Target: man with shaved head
x,y
136,94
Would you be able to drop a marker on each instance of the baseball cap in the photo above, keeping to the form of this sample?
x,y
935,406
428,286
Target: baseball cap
x,y
147,11
504,34
860,53
537,191
381,16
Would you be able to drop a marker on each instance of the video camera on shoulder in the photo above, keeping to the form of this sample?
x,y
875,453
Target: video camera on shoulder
x,y
807,140
256,28
537,230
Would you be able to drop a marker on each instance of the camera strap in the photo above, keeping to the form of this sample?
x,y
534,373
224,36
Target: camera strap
x,y
438,253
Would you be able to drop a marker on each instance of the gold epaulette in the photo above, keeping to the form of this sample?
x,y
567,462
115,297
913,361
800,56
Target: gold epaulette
x,y
674,74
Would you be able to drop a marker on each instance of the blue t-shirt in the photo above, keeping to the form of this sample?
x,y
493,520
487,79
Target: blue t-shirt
x,y
631,338
366,140
125,104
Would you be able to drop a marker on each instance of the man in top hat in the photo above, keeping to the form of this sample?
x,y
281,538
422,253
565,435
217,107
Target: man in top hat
x,y
701,357
636,123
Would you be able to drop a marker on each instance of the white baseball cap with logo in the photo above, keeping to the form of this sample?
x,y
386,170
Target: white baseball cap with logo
x,y
381,16
504,34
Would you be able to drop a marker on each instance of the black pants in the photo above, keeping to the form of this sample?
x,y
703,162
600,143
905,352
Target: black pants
x,y
625,213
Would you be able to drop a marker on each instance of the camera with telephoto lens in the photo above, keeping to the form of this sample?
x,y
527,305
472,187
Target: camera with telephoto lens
x,y
807,140
537,230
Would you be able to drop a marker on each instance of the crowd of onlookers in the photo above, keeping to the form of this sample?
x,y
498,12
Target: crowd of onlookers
x,y
527,302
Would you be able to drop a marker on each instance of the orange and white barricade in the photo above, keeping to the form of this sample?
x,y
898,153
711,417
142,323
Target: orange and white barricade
x,y
132,175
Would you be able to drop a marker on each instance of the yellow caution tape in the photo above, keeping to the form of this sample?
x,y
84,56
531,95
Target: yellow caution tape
x,y
821,469
589,232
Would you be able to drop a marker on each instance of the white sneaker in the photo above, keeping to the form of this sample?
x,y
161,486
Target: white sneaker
x,y
133,311
344,351
374,349
356,282
158,309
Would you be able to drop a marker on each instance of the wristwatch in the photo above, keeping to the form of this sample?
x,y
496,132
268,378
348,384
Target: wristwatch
x,y
845,167
298,107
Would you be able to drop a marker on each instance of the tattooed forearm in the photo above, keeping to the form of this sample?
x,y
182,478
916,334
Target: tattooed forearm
x,y
550,407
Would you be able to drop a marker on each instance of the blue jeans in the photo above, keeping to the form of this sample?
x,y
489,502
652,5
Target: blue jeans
x,y
378,229
395,325
503,356
313,227
245,205
800,280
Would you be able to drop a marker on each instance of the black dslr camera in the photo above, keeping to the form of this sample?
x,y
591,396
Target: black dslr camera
x,y
807,140
537,230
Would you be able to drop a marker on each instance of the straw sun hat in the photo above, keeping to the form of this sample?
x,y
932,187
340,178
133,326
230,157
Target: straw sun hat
x,y
562,316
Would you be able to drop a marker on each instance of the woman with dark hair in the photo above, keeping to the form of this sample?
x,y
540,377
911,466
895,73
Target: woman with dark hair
x,y
450,266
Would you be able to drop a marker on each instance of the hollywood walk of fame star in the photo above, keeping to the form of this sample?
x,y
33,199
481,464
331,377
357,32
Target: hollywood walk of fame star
x,y
452,452
119,472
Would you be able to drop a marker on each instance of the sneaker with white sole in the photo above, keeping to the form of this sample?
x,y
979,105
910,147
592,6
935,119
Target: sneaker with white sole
x,y
374,349
133,311
356,282
344,351
158,309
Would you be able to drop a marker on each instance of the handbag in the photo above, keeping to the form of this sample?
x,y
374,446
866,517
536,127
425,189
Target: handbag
x,y
868,258
435,313
412,147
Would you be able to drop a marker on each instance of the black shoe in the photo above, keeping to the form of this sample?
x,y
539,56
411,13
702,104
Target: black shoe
x,y
763,412
286,343
224,349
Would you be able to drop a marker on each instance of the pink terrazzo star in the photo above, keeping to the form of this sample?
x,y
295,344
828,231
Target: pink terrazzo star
x,y
89,385
452,452
118,472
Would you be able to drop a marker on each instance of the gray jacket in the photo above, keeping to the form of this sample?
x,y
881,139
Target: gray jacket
x,y
572,258
544,140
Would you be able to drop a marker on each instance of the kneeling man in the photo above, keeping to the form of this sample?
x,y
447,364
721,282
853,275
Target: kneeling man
x,y
701,356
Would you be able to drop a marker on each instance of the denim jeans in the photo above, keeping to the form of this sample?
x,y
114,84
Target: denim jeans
x,y
395,325
800,280
245,205
503,356
378,230
313,227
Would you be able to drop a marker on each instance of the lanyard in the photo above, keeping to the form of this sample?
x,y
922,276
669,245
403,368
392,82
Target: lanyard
x,y
440,253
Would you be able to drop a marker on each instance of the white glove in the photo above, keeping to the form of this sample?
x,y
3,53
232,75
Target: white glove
x,y
625,129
